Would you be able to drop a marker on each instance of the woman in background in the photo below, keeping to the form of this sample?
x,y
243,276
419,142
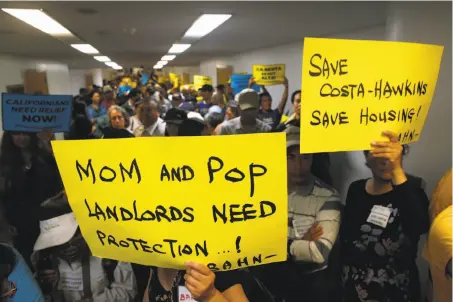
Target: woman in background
x,y
29,175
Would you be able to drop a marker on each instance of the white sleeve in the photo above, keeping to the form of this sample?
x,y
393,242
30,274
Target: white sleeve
x,y
123,288
318,251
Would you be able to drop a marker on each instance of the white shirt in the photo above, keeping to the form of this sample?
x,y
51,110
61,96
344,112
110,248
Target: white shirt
x,y
124,287
156,129
134,124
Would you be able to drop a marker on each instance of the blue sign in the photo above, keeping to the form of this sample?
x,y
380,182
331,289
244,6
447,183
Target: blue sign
x,y
33,113
240,82
123,89
145,78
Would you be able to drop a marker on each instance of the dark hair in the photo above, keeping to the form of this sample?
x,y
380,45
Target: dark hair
x,y
263,94
206,87
94,92
214,119
80,128
11,160
78,108
190,128
83,91
293,96
220,87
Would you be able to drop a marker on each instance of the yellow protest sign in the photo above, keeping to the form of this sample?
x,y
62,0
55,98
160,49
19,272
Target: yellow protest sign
x,y
185,78
221,206
353,90
163,79
175,79
199,81
269,75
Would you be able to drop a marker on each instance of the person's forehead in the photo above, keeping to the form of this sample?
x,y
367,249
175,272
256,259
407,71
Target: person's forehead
x,y
115,112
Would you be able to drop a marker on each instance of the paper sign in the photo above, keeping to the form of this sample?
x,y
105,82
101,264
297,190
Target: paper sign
x,y
352,91
175,79
33,113
221,206
240,82
269,75
379,216
199,81
71,281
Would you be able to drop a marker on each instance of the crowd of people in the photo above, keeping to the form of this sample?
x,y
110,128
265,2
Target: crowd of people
x,y
363,248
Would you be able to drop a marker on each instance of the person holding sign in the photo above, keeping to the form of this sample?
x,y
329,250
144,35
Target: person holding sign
x,y
314,213
197,283
266,114
29,175
383,219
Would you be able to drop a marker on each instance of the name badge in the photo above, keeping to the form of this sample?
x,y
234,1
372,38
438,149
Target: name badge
x,y
70,281
185,295
379,216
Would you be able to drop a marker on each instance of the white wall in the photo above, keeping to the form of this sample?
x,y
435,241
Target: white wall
x,y
77,80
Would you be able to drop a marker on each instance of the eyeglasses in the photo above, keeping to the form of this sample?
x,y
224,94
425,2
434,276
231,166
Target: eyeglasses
x,y
12,289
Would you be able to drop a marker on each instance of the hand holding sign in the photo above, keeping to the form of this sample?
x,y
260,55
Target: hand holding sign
x,y
391,150
200,281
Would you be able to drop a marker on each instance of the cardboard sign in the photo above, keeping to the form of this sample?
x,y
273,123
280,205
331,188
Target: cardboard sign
x,y
221,206
33,113
199,81
269,75
353,90
240,82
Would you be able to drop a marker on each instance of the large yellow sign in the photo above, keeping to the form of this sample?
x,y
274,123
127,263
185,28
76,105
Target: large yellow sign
x,y
354,90
199,81
269,75
221,206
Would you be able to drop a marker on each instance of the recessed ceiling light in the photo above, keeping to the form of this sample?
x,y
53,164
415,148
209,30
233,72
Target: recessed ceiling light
x,y
111,64
168,57
179,48
117,67
39,20
162,63
102,58
158,66
205,24
85,48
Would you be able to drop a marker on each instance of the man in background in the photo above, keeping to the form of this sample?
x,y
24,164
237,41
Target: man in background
x,y
206,92
248,121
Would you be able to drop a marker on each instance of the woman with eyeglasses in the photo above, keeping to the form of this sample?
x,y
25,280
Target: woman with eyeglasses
x,y
118,122
28,176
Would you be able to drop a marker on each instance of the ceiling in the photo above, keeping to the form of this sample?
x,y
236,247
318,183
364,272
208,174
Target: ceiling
x,y
135,33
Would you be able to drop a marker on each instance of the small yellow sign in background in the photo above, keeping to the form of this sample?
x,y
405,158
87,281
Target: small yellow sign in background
x,y
199,81
269,75
164,219
175,79
354,90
